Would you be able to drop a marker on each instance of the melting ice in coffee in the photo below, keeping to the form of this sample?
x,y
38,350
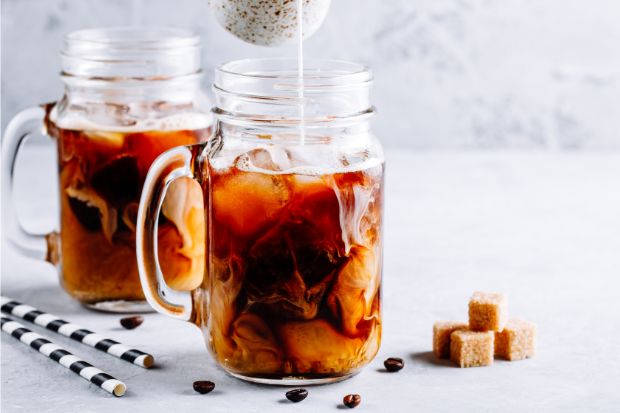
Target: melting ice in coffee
x,y
294,268
102,171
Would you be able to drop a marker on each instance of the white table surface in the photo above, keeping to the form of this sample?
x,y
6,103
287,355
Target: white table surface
x,y
542,227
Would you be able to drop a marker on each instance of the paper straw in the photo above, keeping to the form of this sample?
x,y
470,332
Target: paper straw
x,y
63,357
75,332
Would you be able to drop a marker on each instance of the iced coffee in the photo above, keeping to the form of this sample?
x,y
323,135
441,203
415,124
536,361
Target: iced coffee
x,y
102,171
295,265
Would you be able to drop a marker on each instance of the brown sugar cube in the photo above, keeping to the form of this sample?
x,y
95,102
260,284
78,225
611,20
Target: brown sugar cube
x,y
516,341
487,311
472,348
441,336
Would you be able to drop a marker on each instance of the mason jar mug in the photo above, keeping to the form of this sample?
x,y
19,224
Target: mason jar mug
x,y
130,94
293,198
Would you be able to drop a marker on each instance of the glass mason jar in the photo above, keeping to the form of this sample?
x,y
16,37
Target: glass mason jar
x,y
293,189
130,94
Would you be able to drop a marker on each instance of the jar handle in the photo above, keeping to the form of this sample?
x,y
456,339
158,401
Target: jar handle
x,y
176,163
38,246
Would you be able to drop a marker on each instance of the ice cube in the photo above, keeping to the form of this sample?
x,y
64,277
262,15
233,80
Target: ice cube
x,y
353,159
250,332
316,346
266,159
147,146
111,141
256,347
311,159
247,201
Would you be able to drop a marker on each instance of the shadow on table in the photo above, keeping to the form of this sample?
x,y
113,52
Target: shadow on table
x,y
427,357
50,298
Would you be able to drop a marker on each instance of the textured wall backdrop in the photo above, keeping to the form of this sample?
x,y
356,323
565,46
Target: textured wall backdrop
x,y
450,74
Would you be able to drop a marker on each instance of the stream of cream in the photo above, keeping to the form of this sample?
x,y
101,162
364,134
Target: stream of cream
x,y
300,71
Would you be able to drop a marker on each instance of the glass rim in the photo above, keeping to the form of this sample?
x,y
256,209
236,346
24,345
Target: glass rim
x,y
278,68
269,91
131,52
133,36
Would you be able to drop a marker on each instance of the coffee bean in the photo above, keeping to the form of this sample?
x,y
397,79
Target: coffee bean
x,y
204,386
394,364
296,395
132,322
352,400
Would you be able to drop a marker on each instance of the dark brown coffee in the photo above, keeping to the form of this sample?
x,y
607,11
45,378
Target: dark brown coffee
x,y
101,178
295,271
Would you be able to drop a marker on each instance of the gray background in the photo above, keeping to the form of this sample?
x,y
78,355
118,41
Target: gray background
x,y
450,74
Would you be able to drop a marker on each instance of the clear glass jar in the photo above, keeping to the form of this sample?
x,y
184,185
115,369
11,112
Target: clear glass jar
x,y
130,94
293,188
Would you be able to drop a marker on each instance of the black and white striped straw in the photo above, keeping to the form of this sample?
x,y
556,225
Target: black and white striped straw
x,y
75,332
63,357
